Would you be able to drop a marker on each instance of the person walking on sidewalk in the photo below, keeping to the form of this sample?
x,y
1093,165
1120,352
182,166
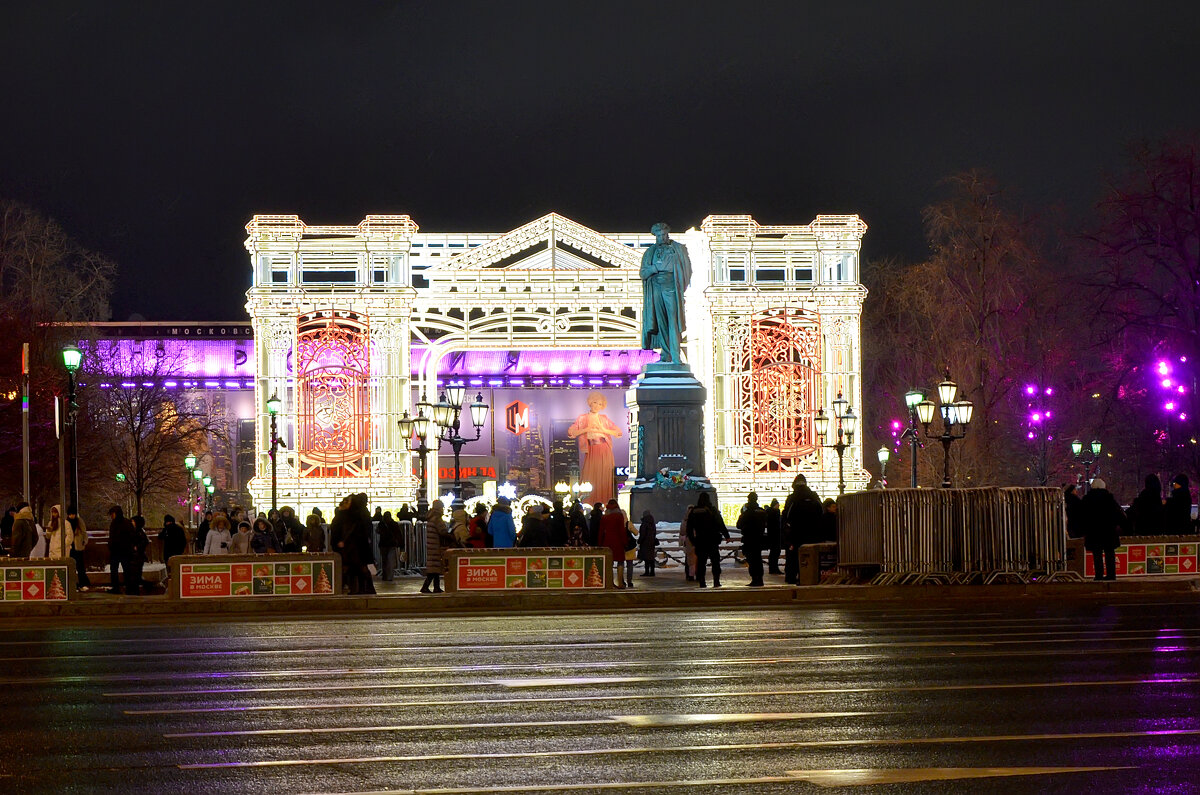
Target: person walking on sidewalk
x,y
79,543
613,535
753,524
1103,520
120,550
774,521
647,543
24,532
437,538
174,540
706,528
802,525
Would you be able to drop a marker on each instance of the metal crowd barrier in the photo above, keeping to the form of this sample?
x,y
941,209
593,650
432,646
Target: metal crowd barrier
x,y
412,547
955,535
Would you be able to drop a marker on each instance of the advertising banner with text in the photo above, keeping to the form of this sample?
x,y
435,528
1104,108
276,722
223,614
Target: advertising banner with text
x,y
527,569
249,576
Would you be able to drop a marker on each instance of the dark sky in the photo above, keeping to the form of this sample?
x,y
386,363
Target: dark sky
x,y
153,131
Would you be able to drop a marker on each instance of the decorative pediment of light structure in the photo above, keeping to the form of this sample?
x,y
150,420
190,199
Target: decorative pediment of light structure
x,y
566,245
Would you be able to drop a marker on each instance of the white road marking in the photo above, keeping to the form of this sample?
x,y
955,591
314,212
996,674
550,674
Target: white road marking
x,y
818,777
641,721
716,694
644,750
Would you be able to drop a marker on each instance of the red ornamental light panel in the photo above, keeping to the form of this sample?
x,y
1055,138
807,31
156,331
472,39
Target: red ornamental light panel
x,y
332,369
782,355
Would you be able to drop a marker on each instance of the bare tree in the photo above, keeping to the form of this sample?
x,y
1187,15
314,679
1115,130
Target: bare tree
x,y
149,426
1147,245
984,307
46,279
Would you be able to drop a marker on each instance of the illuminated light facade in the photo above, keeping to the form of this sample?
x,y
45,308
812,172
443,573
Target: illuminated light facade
x,y
354,323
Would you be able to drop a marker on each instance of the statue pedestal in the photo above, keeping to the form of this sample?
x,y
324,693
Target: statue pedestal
x,y
666,407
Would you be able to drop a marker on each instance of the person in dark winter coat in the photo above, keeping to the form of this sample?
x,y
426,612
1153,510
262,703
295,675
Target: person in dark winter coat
x,y
753,524
774,523
647,543
24,533
577,527
613,535
1178,509
1102,522
137,559
535,528
593,533
389,542
802,525
705,529
314,534
558,525
262,539
357,552
120,549
291,532
174,540
1146,512
829,520
1071,504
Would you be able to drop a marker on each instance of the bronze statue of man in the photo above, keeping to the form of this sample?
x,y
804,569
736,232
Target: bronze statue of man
x,y
666,272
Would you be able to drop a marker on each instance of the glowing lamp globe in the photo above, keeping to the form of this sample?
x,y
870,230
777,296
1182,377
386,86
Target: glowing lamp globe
x,y
71,357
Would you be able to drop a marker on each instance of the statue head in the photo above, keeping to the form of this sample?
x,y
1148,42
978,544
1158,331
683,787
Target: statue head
x,y
660,231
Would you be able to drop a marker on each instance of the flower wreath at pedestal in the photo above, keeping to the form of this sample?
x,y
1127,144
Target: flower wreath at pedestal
x,y
679,479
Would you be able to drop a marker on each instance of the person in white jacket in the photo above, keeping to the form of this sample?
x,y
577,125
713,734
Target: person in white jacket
x,y
58,547
218,539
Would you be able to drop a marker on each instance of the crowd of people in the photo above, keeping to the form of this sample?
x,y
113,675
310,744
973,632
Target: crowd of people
x,y
1098,518
767,534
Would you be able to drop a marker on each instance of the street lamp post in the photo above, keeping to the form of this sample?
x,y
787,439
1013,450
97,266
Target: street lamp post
x,y
420,425
447,415
274,404
883,454
911,400
198,477
189,463
1086,460
72,358
956,416
847,424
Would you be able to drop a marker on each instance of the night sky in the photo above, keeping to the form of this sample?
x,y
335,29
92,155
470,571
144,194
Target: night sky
x,y
153,131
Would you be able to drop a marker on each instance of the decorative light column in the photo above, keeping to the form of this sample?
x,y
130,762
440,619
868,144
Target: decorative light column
x,y
447,414
274,405
208,489
883,454
419,425
71,361
956,416
847,424
912,399
1086,460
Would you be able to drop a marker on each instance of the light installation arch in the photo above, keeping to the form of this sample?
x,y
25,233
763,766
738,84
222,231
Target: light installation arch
x,y
353,323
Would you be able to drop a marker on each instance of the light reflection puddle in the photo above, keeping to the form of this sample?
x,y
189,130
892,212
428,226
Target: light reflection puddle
x,y
706,718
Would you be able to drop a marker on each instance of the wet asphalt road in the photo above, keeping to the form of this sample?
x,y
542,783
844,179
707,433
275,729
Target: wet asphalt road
x,y
1012,696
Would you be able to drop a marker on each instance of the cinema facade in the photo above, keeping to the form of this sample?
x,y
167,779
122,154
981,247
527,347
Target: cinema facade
x,y
351,326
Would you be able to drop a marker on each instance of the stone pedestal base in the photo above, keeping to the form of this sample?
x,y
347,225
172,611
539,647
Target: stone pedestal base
x,y
666,433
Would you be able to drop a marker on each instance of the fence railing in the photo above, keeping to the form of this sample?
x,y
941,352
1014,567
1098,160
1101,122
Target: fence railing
x,y
954,535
